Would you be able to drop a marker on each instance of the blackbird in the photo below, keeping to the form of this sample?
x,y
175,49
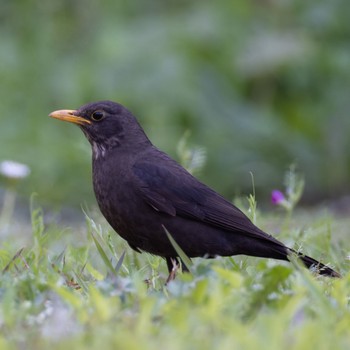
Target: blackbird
x,y
143,193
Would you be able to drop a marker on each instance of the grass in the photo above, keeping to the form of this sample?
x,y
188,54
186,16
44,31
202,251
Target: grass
x,y
84,288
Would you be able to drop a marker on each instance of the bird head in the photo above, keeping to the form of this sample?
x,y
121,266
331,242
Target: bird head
x,y
106,125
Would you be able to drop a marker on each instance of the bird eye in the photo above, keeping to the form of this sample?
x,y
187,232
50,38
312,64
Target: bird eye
x,y
97,116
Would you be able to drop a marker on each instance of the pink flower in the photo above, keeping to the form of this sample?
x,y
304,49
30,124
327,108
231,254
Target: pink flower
x,y
277,197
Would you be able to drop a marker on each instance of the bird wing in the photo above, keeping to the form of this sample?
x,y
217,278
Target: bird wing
x,y
172,190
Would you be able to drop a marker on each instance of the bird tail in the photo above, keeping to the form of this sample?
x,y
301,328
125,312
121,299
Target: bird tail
x,y
277,250
311,263
321,268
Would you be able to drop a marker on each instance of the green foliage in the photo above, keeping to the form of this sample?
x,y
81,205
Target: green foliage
x,y
269,82
260,85
95,293
294,183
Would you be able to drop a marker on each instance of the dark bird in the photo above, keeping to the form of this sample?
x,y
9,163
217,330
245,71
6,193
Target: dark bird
x,y
143,193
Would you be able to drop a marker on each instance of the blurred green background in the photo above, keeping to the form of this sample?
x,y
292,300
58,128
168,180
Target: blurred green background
x,y
260,84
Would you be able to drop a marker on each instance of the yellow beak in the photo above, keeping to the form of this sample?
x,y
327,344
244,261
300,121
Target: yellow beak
x,y
68,115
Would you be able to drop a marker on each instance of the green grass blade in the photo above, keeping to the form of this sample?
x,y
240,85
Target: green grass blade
x,y
119,263
103,255
18,254
182,255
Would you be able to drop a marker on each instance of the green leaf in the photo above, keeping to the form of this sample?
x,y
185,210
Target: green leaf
x,y
232,277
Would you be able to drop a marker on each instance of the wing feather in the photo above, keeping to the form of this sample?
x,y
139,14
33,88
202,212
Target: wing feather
x,y
173,191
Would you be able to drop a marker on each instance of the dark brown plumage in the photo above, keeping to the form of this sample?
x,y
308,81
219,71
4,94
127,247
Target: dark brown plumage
x,y
140,190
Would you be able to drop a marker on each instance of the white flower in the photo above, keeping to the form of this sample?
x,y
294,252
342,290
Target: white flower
x,y
14,170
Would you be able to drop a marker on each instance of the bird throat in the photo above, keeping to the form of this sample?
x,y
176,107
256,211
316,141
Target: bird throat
x,y
100,149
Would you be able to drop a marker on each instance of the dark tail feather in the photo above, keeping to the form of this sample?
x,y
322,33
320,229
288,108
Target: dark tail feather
x,y
277,250
270,247
320,268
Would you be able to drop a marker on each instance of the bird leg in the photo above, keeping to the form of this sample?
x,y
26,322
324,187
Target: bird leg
x,y
173,266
